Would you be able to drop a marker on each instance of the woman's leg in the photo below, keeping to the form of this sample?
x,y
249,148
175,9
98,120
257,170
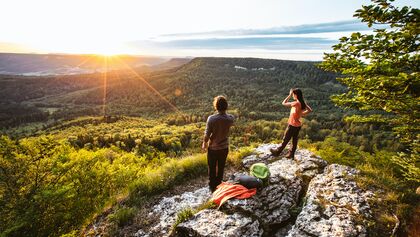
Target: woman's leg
x,y
286,138
295,137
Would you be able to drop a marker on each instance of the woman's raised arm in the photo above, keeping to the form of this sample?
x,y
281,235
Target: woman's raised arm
x,y
285,103
307,110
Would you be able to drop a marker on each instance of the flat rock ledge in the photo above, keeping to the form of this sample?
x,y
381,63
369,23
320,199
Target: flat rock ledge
x,y
305,197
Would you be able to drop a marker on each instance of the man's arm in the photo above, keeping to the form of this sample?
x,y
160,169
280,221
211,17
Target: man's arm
x,y
207,134
205,142
232,118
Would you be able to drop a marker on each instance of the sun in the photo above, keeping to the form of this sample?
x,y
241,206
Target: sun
x,y
108,50
107,47
107,54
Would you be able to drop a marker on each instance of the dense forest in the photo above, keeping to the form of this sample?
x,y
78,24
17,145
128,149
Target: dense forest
x,y
259,84
66,64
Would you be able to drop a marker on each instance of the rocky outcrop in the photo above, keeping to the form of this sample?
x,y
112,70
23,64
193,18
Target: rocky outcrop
x,y
304,197
168,207
272,203
306,164
212,222
334,206
272,206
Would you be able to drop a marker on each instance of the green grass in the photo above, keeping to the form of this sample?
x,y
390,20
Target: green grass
x,y
173,172
235,157
182,216
123,216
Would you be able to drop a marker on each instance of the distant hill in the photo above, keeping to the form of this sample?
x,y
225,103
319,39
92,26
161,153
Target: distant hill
x,y
254,87
63,64
251,84
172,63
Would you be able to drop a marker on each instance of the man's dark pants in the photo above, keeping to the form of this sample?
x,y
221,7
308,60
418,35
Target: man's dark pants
x,y
216,160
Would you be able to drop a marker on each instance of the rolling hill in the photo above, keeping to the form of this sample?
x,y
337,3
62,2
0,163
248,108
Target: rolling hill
x,y
66,64
254,87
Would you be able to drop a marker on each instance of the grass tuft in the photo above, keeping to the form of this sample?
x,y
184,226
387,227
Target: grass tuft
x,y
188,212
235,157
123,216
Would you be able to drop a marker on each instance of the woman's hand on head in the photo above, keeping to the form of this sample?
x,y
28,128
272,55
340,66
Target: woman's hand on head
x,y
291,92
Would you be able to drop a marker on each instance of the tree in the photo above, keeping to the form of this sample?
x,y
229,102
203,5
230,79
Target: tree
x,y
381,71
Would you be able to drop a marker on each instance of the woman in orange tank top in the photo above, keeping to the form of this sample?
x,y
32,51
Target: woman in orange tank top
x,y
298,108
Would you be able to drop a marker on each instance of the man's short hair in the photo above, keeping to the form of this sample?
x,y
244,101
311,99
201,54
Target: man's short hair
x,y
220,103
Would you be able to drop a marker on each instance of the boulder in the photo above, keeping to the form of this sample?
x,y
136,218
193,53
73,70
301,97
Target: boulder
x,y
211,222
335,205
168,207
271,204
309,164
261,154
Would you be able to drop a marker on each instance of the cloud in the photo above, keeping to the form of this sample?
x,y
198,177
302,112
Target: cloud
x,y
268,43
339,26
302,38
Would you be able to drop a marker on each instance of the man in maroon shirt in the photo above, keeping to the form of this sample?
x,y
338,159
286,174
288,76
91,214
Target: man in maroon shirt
x,y
217,142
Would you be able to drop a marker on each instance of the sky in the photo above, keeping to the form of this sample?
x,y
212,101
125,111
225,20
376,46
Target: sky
x,y
299,29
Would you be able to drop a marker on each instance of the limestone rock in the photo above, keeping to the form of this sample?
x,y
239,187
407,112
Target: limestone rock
x,y
211,222
168,207
282,231
308,164
261,154
335,205
271,204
